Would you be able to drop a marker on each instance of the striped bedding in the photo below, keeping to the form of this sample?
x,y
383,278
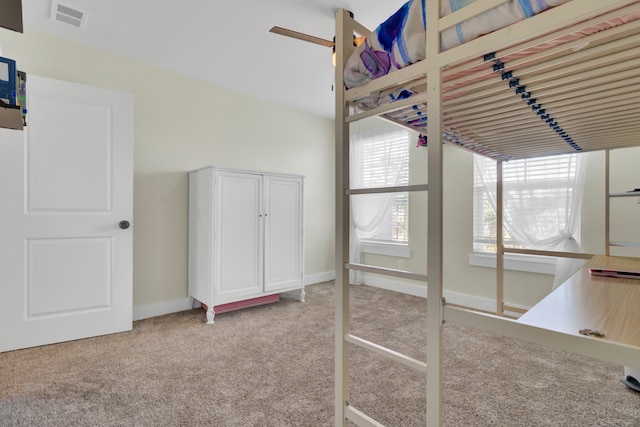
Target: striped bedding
x,y
400,40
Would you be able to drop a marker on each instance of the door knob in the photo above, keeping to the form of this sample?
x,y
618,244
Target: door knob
x,y
124,225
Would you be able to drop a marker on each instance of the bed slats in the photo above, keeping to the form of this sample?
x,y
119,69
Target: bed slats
x,y
565,98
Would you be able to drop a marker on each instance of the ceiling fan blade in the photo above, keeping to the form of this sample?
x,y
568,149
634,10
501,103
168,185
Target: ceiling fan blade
x,y
301,36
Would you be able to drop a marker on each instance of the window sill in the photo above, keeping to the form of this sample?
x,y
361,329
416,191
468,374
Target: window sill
x,y
389,249
515,262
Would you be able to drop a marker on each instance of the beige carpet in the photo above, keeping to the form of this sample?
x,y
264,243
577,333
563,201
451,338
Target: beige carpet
x,y
273,366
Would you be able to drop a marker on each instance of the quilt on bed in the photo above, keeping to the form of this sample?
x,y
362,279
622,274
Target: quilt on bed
x,y
400,40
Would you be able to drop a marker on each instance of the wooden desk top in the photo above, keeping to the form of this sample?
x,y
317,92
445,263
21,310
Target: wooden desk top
x,y
607,304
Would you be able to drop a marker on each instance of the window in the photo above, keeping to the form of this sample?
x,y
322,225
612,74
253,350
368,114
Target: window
x,y
540,199
380,158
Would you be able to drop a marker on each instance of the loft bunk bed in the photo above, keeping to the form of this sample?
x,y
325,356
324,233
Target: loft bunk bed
x,y
564,80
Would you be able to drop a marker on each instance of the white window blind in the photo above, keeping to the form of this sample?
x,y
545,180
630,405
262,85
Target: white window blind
x,y
380,159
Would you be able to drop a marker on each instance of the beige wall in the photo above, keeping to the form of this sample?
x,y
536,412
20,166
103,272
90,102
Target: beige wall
x,y
182,124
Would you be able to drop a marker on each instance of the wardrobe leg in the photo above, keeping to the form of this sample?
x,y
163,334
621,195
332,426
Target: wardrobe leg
x,y
210,315
302,295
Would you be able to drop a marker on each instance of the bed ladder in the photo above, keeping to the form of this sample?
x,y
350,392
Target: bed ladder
x,y
343,336
346,413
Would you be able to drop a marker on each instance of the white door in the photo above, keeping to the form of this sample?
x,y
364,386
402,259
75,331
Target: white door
x,y
283,233
239,236
66,183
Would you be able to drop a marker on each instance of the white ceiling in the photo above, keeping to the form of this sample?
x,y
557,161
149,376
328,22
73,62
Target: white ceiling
x,y
225,43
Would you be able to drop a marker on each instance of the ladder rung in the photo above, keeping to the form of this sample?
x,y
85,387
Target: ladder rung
x,y
390,354
386,271
360,418
382,190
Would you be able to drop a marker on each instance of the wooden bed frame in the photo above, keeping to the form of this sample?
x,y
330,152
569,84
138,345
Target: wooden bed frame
x,y
567,77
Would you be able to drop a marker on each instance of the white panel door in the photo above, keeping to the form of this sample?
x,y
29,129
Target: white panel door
x,y
238,236
66,186
283,232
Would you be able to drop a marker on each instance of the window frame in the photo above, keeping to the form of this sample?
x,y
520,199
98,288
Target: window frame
x,y
375,244
517,262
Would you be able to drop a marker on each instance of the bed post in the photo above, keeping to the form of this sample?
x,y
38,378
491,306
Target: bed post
x,y
434,227
434,263
607,205
499,242
342,223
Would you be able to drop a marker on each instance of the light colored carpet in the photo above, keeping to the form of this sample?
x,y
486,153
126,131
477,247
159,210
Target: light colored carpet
x,y
273,366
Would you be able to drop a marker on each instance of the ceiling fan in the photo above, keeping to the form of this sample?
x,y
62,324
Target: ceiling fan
x,y
308,38
302,36
313,39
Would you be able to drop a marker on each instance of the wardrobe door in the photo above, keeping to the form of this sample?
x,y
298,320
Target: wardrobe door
x,y
238,265
283,232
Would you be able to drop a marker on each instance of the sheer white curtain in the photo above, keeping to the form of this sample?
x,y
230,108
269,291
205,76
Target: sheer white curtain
x,y
378,158
542,200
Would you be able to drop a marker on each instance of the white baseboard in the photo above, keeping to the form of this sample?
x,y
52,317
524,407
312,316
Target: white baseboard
x,y
158,309
311,279
167,307
393,285
471,301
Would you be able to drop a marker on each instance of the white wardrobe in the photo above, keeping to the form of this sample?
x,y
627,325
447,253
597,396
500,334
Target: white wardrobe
x,y
245,235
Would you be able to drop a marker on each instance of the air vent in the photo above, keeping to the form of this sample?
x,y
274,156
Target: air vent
x,y
68,15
